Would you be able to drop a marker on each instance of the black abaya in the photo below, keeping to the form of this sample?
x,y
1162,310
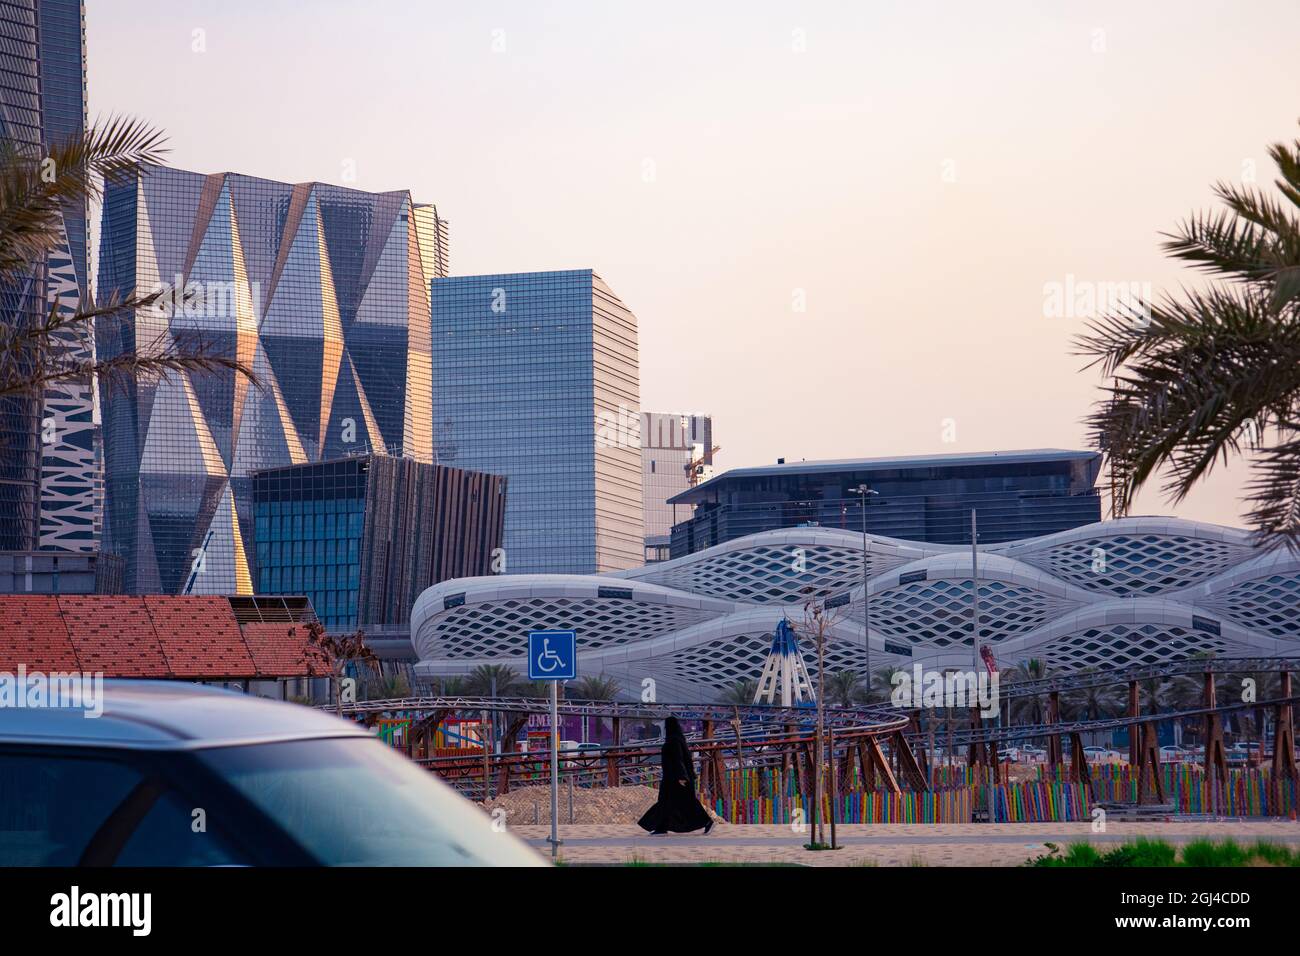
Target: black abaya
x,y
676,810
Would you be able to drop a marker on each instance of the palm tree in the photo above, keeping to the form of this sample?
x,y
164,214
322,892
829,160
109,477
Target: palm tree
x,y
532,690
387,687
1251,722
1027,708
881,684
34,190
451,687
594,688
1156,694
492,680
843,688
1092,703
1210,374
741,692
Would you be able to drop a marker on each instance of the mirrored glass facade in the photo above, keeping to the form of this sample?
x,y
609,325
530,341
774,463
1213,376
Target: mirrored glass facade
x,y
321,290
536,377
1016,494
363,536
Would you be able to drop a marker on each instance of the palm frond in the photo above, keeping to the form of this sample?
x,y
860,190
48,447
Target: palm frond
x,y
1274,491
1185,390
36,356
34,189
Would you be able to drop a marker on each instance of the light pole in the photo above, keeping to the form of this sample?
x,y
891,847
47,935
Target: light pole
x,y
864,491
816,621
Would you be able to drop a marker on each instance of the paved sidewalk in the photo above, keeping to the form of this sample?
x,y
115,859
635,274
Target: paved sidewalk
x,y
950,844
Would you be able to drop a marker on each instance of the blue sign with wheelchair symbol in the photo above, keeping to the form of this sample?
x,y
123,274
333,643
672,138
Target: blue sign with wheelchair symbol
x,y
552,655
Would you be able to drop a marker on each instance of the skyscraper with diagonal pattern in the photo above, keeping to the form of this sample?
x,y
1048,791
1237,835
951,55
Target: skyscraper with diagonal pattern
x,y
323,291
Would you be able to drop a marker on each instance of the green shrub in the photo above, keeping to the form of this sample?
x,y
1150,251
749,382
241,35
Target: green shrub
x,y
1146,852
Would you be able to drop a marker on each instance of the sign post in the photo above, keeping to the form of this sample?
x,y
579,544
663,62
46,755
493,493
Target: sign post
x,y
553,656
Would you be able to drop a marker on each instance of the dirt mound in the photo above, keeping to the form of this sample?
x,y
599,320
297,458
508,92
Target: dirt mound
x,y
529,805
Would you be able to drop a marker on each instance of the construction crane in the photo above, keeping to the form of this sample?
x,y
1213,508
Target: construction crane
x,y
699,466
196,566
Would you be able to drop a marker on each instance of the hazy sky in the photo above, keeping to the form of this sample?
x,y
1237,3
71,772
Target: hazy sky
x,y
839,224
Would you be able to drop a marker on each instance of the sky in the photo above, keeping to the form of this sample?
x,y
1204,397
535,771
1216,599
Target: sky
x,y
846,229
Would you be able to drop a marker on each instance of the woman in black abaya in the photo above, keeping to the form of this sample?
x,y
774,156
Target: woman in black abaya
x,y
676,810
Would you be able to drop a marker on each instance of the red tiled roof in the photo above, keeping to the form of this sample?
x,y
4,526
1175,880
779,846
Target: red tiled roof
x,y
199,636
32,633
187,638
113,635
282,649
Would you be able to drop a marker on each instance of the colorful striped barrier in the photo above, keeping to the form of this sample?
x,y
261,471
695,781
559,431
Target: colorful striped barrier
x,y
768,795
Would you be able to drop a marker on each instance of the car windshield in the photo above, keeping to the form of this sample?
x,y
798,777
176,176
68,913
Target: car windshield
x,y
353,802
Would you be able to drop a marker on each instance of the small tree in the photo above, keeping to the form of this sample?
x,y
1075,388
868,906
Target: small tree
x,y
338,651
817,624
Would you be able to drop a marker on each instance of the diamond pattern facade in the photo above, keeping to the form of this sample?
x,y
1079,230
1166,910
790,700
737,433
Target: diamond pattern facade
x,y
321,290
762,574
479,628
1111,594
1136,564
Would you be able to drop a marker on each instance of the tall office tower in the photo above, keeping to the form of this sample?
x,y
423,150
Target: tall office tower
x,y
364,536
676,454
323,291
536,377
71,504
42,100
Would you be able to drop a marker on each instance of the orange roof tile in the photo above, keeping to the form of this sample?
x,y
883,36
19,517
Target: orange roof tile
x,y
113,635
163,636
199,636
32,633
280,650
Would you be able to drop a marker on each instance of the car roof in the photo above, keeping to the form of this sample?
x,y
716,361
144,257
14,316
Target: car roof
x,y
169,715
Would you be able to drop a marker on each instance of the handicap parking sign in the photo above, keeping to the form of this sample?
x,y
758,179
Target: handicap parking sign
x,y
552,655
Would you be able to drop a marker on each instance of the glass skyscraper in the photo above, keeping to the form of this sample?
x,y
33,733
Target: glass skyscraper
x,y
536,377
47,454
321,290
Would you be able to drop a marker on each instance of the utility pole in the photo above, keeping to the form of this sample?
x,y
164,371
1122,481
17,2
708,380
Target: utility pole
x,y
974,595
555,769
864,492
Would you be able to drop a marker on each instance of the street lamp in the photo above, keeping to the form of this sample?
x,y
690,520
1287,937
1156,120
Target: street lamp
x,y
864,491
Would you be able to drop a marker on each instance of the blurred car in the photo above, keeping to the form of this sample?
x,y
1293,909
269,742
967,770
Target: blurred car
x,y
1243,752
1102,755
1175,755
1009,754
1032,754
174,774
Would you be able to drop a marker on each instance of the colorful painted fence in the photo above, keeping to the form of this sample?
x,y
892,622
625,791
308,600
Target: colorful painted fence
x,y
1249,792
877,806
1033,802
770,796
